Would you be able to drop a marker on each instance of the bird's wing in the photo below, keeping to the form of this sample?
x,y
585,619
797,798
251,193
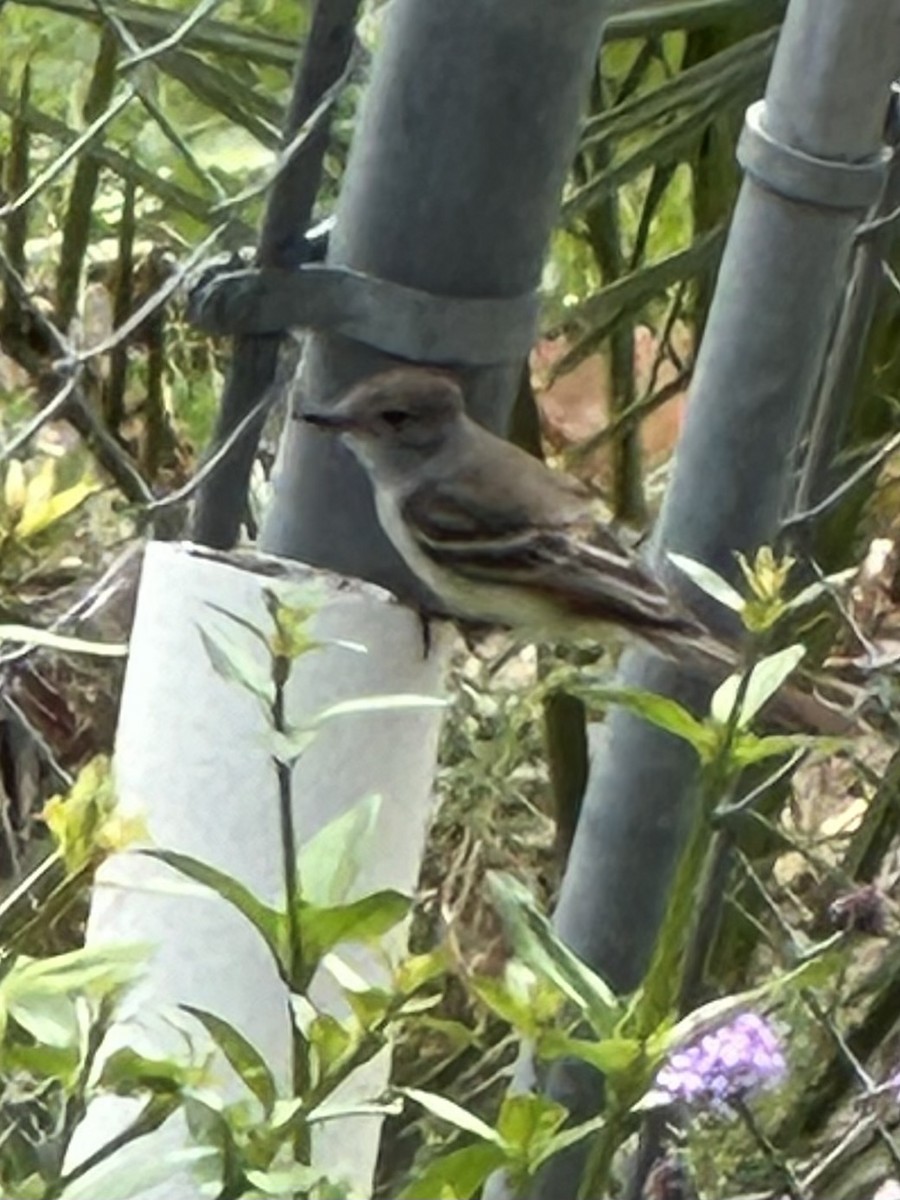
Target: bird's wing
x,y
555,549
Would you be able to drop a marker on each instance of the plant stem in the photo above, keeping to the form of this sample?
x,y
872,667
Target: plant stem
x,y
665,979
281,671
300,1073
676,971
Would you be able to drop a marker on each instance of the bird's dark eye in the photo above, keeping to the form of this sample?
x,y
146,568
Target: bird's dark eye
x,y
395,417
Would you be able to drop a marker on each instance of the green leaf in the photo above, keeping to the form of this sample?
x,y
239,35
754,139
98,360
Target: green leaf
x,y
330,1111
661,711
208,1126
529,1009
418,969
28,636
458,1175
43,513
292,637
285,1181
330,862
708,581
569,1137
806,596
238,664
363,920
329,1040
370,704
766,678
127,1072
241,1055
51,1019
62,1064
749,749
370,1006
539,947
269,922
285,1113
344,644
94,970
289,745
526,1122
612,1056
133,1171
455,1036
242,621
453,1114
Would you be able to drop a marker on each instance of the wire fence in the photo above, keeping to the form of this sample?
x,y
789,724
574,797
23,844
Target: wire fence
x,y
169,72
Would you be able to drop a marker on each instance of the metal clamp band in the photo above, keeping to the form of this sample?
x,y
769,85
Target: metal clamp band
x,y
399,320
826,183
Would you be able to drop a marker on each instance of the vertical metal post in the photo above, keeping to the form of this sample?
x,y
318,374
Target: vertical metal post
x,y
812,157
453,185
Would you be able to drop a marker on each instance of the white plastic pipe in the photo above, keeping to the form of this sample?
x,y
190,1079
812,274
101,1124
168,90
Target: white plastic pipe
x,y
192,756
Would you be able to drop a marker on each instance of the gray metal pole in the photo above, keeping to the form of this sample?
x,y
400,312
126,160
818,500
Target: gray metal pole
x,y
222,500
453,185
785,266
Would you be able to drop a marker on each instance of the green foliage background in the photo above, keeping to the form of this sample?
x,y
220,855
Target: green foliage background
x,y
641,229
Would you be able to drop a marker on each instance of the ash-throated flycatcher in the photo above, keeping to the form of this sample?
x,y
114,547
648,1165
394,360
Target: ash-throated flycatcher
x,y
501,539
496,535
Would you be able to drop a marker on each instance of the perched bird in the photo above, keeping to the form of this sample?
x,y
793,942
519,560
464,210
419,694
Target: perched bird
x,y
497,536
500,539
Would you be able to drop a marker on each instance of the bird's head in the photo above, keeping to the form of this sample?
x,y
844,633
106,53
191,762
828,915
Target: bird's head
x,y
394,419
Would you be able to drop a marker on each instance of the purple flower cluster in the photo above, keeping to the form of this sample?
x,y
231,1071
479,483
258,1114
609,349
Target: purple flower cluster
x,y
727,1064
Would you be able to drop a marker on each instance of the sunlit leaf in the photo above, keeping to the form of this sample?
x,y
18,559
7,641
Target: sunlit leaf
x,y
92,970
329,862
286,1181
661,711
529,1009
269,922
50,1018
708,581
61,1063
749,749
453,1114
418,969
527,1121
132,1172
241,1054
766,677
240,620
238,663
41,512
87,823
288,745
292,637
363,920
14,487
458,1175
612,1056
372,704
285,1113
569,1137
332,1111
329,1039
538,945
127,1072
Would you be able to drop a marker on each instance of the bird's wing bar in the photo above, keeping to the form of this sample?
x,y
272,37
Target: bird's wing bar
x,y
594,580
